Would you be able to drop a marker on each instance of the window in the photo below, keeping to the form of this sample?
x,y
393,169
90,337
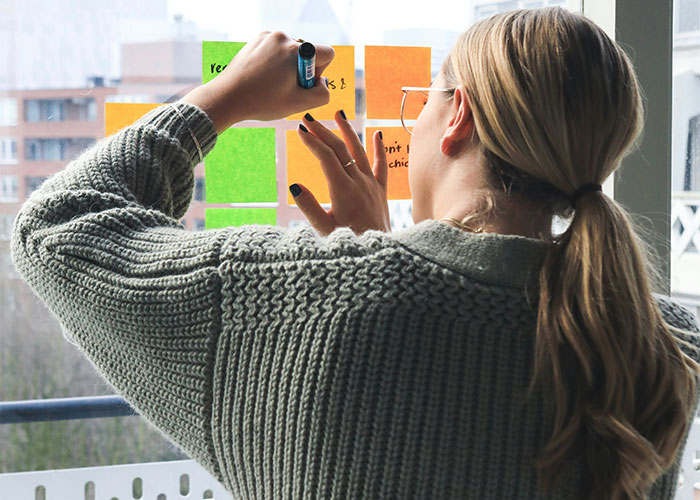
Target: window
x,y
687,16
6,223
199,189
8,189
55,149
8,112
8,150
58,110
31,184
199,225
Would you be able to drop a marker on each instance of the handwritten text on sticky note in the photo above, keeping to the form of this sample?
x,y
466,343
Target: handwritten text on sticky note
x,y
216,56
397,146
387,69
242,167
341,86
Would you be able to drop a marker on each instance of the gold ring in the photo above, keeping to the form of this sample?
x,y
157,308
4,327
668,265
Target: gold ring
x,y
300,40
351,162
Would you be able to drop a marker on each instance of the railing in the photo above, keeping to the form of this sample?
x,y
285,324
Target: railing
x,y
685,223
176,479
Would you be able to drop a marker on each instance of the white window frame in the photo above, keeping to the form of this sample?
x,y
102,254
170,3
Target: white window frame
x,y
9,189
8,151
8,112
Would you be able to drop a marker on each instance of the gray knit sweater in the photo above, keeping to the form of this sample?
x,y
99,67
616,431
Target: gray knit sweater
x,y
381,366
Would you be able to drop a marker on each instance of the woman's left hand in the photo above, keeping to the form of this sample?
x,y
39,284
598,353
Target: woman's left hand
x,y
358,192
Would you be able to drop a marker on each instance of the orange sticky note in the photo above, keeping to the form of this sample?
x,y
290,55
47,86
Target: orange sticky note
x,y
397,145
341,86
387,69
303,167
122,114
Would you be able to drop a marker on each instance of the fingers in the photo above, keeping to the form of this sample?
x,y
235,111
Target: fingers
x,y
381,168
331,140
324,56
316,96
312,210
352,143
332,168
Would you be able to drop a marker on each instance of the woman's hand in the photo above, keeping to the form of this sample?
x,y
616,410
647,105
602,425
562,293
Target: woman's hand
x,y
358,192
260,83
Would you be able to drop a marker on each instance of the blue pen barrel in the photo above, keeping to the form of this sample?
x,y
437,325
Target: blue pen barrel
x,y
306,67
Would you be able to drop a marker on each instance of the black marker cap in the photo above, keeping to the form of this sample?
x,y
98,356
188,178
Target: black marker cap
x,y
307,50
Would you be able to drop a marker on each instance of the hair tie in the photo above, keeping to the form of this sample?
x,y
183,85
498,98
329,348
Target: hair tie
x,y
586,188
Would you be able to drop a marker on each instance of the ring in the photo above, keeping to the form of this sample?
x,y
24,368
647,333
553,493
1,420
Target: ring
x,y
300,40
351,162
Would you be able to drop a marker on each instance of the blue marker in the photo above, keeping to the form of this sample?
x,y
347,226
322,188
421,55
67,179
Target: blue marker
x,y
306,66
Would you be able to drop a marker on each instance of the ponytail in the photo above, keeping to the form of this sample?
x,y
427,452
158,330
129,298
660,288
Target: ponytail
x,y
623,387
556,102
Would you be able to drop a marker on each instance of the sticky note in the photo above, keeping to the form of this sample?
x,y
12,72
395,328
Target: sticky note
x,y
396,145
341,86
242,168
303,167
387,69
216,56
122,114
224,217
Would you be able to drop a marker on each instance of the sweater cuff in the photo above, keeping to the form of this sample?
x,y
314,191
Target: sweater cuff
x,y
190,121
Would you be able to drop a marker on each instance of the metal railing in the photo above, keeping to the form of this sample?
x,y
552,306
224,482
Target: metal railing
x,y
685,223
49,410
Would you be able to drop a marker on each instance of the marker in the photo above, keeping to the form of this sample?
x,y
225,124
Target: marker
x,y
306,66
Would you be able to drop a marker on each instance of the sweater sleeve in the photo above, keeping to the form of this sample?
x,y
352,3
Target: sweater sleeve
x,y
100,244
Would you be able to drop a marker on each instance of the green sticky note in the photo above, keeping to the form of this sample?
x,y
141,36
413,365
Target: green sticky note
x,y
224,217
241,168
216,56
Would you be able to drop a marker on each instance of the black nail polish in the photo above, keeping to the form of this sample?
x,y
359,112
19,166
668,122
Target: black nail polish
x,y
295,190
303,128
342,113
381,137
309,117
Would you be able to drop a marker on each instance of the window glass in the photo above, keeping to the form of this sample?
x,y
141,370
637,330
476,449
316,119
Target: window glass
x,y
685,157
8,150
8,189
61,62
8,111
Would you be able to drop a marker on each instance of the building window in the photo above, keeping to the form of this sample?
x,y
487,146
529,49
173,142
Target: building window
x,y
8,112
199,189
8,189
55,149
8,150
31,184
6,223
58,110
691,180
199,225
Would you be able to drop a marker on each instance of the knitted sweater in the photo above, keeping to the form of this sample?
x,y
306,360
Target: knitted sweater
x,y
294,366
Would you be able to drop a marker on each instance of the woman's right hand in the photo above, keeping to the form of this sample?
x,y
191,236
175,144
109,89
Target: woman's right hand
x,y
260,83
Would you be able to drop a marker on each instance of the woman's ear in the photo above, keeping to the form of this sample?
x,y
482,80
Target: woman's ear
x,y
460,129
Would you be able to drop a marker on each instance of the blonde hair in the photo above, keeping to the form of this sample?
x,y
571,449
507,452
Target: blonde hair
x,y
556,106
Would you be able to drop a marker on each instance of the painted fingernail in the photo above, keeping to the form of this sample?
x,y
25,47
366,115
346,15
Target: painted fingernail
x,y
295,190
342,113
303,128
309,117
381,137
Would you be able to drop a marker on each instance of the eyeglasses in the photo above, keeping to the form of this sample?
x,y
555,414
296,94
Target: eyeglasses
x,y
422,90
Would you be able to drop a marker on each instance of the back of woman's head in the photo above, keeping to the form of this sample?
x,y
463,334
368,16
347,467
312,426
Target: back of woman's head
x,y
556,106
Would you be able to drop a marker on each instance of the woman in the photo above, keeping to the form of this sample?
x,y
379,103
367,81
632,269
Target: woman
x,y
474,355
